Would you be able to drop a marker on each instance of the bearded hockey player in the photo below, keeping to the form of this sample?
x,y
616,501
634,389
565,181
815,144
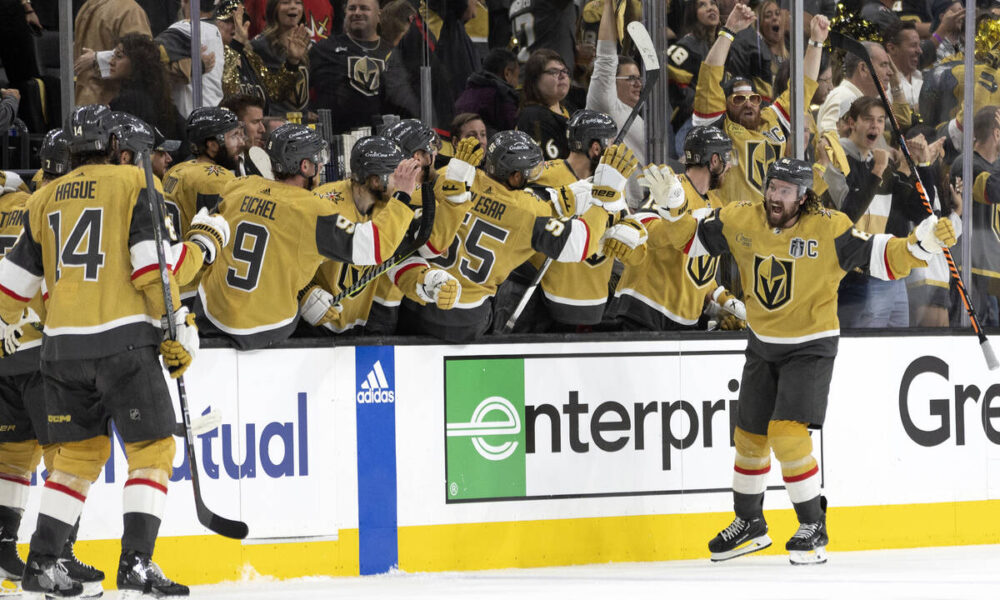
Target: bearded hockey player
x,y
506,226
375,162
793,254
93,337
575,293
758,133
662,288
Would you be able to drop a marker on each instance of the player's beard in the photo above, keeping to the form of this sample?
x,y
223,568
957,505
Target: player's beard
x,y
224,160
782,219
715,178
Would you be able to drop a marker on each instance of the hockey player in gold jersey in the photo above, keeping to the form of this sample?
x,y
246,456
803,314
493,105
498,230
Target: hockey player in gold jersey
x,y
506,225
215,136
575,293
363,198
282,232
758,134
88,246
792,255
662,288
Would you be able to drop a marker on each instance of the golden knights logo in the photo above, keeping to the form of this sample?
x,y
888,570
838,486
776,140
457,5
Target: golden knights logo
x,y
701,269
772,281
214,170
350,275
760,155
995,221
365,74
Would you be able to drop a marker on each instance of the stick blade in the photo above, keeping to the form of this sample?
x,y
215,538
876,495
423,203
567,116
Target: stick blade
x,y
991,358
236,530
262,161
644,44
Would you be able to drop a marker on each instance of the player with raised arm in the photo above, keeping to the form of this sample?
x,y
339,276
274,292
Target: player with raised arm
x,y
758,134
282,232
662,288
506,225
88,247
792,254
375,163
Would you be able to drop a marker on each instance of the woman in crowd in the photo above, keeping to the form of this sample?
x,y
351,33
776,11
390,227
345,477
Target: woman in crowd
x,y
543,116
136,67
284,41
701,26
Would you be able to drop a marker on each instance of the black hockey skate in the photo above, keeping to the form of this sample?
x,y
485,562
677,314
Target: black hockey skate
x,y
808,545
140,577
11,565
87,575
741,537
46,575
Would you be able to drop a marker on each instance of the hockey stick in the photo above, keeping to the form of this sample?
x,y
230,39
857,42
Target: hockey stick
x,y
643,43
420,237
849,44
226,527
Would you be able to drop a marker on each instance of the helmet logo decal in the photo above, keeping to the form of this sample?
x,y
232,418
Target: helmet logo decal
x,y
772,281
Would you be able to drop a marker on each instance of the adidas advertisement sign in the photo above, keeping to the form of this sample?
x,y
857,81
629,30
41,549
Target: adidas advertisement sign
x,y
595,425
375,386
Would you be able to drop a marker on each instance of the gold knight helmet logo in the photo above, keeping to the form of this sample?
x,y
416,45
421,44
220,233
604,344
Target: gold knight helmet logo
x,y
772,281
701,269
366,74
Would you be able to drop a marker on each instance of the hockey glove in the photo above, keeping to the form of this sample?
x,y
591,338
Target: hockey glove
x,y
730,303
11,338
930,237
439,287
178,353
617,164
211,232
732,323
621,240
316,306
665,190
461,171
573,199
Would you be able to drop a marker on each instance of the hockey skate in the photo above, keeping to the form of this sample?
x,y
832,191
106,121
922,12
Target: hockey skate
x,y
11,565
741,537
140,577
46,575
87,575
808,545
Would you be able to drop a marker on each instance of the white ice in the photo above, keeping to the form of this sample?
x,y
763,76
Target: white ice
x,y
952,573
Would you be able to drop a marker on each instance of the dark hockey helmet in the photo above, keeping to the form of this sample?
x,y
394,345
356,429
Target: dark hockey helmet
x,y
292,143
510,152
791,170
586,126
133,133
411,135
211,122
54,153
89,129
375,155
702,142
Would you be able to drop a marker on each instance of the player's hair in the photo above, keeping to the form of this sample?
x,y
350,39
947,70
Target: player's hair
x,y
239,103
533,71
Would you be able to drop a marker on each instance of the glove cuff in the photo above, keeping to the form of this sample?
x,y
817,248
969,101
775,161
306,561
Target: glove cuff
x,y
918,251
313,304
459,170
209,237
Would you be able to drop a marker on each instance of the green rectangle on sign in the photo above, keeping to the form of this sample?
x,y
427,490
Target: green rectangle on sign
x,y
484,416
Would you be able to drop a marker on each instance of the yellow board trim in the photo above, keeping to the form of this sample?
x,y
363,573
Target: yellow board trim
x,y
209,559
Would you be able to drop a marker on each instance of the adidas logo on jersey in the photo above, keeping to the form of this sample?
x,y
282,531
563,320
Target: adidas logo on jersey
x,y
375,388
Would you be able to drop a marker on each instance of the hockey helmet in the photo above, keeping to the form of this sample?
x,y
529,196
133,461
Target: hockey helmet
x,y
133,133
792,170
510,152
411,135
54,153
292,143
587,126
702,142
375,155
212,122
89,128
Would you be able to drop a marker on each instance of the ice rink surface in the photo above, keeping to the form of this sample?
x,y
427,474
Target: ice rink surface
x,y
952,573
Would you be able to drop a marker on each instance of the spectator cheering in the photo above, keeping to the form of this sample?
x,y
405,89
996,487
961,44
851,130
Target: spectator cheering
x,y
543,116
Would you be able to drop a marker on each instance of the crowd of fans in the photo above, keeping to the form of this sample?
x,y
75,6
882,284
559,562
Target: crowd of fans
x,y
531,65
